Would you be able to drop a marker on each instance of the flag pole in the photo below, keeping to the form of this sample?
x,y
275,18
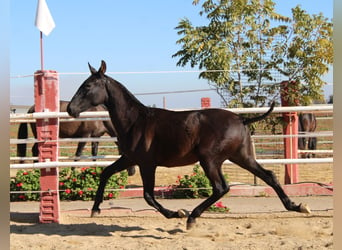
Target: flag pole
x,y
44,22
41,52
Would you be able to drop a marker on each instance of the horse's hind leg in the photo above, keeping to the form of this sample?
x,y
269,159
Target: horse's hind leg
x,y
268,177
148,178
35,151
121,164
214,173
79,150
312,145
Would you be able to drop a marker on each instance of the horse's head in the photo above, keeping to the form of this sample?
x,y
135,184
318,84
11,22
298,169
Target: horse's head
x,y
91,93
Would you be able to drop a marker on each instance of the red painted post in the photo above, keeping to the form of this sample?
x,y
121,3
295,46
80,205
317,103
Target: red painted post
x,y
205,102
46,94
290,128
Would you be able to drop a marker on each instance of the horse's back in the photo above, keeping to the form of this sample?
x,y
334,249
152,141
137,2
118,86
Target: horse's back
x,y
194,123
180,137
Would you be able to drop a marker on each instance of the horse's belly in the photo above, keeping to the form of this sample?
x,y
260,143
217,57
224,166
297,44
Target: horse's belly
x,y
175,161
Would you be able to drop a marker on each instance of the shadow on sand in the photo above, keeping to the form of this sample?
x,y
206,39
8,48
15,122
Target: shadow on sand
x,y
31,225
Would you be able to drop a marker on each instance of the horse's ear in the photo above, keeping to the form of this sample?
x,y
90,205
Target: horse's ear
x,y
92,70
103,67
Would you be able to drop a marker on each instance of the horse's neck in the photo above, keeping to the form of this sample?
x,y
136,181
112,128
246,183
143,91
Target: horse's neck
x,y
123,107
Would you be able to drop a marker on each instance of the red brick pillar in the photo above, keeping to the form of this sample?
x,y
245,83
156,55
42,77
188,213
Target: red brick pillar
x,y
205,102
290,129
46,94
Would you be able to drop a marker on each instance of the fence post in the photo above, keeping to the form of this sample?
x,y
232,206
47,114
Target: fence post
x,y
205,102
46,95
290,128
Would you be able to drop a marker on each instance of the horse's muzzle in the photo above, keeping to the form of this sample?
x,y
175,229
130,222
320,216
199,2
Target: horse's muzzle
x,y
72,112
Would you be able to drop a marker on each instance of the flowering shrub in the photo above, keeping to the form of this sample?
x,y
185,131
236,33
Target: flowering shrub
x,y
195,185
218,207
74,184
25,180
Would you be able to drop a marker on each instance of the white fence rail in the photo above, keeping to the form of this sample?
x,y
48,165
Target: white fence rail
x,y
24,117
59,164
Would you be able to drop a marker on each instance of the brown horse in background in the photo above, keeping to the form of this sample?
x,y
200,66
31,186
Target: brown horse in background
x,y
72,129
307,123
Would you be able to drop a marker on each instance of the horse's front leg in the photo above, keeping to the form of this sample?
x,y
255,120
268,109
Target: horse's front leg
x,y
148,177
121,164
94,148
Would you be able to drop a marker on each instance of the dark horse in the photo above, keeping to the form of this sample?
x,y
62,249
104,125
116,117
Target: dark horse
x,y
73,129
307,123
151,137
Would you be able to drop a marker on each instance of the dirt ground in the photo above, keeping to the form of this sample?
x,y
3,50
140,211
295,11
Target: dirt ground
x,y
252,223
268,227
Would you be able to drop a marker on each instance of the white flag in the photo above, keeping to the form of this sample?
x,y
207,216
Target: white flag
x,y
44,20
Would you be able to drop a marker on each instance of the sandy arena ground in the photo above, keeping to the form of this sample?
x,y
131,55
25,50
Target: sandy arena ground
x,y
252,223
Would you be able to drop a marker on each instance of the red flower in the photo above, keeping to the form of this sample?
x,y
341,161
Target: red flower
x,y
93,173
80,193
25,173
61,183
68,191
74,179
220,205
19,184
110,195
23,197
122,187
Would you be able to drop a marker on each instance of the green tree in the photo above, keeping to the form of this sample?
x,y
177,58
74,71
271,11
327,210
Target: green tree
x,y
233,46
240,45
304,54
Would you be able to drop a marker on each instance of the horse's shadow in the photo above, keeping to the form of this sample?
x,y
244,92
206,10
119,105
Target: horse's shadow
x,y
87,229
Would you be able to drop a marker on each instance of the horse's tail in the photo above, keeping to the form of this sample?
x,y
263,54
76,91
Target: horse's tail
x,y
247,121
22,134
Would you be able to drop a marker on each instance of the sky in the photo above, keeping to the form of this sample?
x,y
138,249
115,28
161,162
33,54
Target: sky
x,y
136,39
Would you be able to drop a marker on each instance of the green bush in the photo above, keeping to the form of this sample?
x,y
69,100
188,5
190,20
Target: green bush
x,y
74,184
195,185
25,181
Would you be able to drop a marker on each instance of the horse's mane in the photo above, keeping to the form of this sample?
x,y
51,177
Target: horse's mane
x,y
125,91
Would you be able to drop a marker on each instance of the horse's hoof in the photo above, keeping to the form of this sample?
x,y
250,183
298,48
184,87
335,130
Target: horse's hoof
x,y
182,213
94,213
131,171
190,225
304,208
